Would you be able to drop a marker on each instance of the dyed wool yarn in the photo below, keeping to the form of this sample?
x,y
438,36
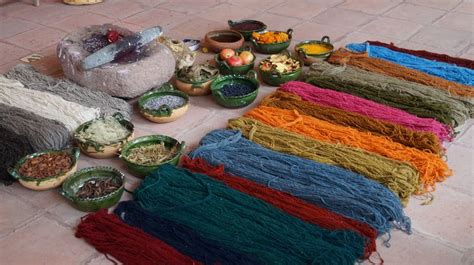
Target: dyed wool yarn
x,y
421,140
180,237
44,104
401,178
444,70
69,91
241,222
431,167
333,188
363,61
129,245
292,205
344,101
427,55
22,133
414,98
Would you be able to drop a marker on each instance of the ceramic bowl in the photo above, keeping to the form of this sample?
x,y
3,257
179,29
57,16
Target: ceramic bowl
x,y
275,78
47,182
143,170
235,102
72,185
226,69
221,39
98,150
259,26
200,88
192,44
273,48
165,113
313,58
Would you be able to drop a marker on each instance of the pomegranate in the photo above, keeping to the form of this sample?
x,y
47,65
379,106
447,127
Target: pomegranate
x,y
226,54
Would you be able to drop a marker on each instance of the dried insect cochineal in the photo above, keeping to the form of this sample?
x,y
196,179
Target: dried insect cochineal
x,y
97,187
46,165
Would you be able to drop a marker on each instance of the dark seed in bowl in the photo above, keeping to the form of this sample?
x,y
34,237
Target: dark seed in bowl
x,y
236,90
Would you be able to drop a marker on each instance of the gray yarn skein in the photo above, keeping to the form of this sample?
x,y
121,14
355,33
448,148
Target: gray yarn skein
x,y
23,132
70,91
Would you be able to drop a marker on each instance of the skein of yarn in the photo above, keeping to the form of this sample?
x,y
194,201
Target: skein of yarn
x,y
22,133
412,97
421,140
440,69
180,237
292,205
69,91
427,55
44,104
344,101
129,245
401,178
241,222
363,61
431,167
330,187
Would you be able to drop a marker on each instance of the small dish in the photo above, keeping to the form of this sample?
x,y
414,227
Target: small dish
x,y
309,58
272,48
221,39
226,69
144,170
247,27
72,185
49,182
192,44
165,113
99,150
235,101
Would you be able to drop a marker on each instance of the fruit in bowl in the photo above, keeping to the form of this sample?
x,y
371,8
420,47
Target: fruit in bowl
x,y
240,62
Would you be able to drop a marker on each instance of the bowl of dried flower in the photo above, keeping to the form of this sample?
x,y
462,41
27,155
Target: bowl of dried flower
x,y
271,42
94,188
45,170
145,154
280,68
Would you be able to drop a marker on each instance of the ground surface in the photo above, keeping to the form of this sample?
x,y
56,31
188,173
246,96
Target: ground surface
x,y
38,227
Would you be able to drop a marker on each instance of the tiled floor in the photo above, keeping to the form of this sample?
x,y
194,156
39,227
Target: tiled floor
x,y
38,227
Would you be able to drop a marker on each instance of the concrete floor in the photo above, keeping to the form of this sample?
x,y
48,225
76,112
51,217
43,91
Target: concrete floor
x,y
38,227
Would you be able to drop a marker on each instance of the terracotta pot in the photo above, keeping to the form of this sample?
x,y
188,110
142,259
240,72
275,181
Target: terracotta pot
x,y
221,39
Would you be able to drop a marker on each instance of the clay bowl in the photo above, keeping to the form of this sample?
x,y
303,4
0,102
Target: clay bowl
x,y
275,78
226,69
255,25
197,88
235,101
72,185
221,39
309,58
49,182
164,114
99,150
272,48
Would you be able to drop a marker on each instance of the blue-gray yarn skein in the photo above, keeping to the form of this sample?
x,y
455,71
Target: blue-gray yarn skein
x,y
333,188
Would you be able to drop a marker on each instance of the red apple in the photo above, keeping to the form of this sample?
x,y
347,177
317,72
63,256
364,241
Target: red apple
x,y
226,54
235,61
247,57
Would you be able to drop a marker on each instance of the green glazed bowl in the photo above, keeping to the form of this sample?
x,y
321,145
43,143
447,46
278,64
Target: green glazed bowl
x,y
313,58
47,182
72,185
165,113
276,78
142,170
273,48
239,101
226,69
247,33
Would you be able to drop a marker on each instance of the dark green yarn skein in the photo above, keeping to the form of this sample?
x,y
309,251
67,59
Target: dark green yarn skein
x,y
241,222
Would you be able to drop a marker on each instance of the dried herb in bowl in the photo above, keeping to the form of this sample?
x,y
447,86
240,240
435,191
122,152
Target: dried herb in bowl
x,y
153,154
197,73
46,165
97,187
103,131
281,63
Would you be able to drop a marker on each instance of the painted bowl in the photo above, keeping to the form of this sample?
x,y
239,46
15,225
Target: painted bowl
x,y
226,69
256,26
272,48
49,182
99,150
238,101
164,114
221,39
199,88
143,170
72,185
309,58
